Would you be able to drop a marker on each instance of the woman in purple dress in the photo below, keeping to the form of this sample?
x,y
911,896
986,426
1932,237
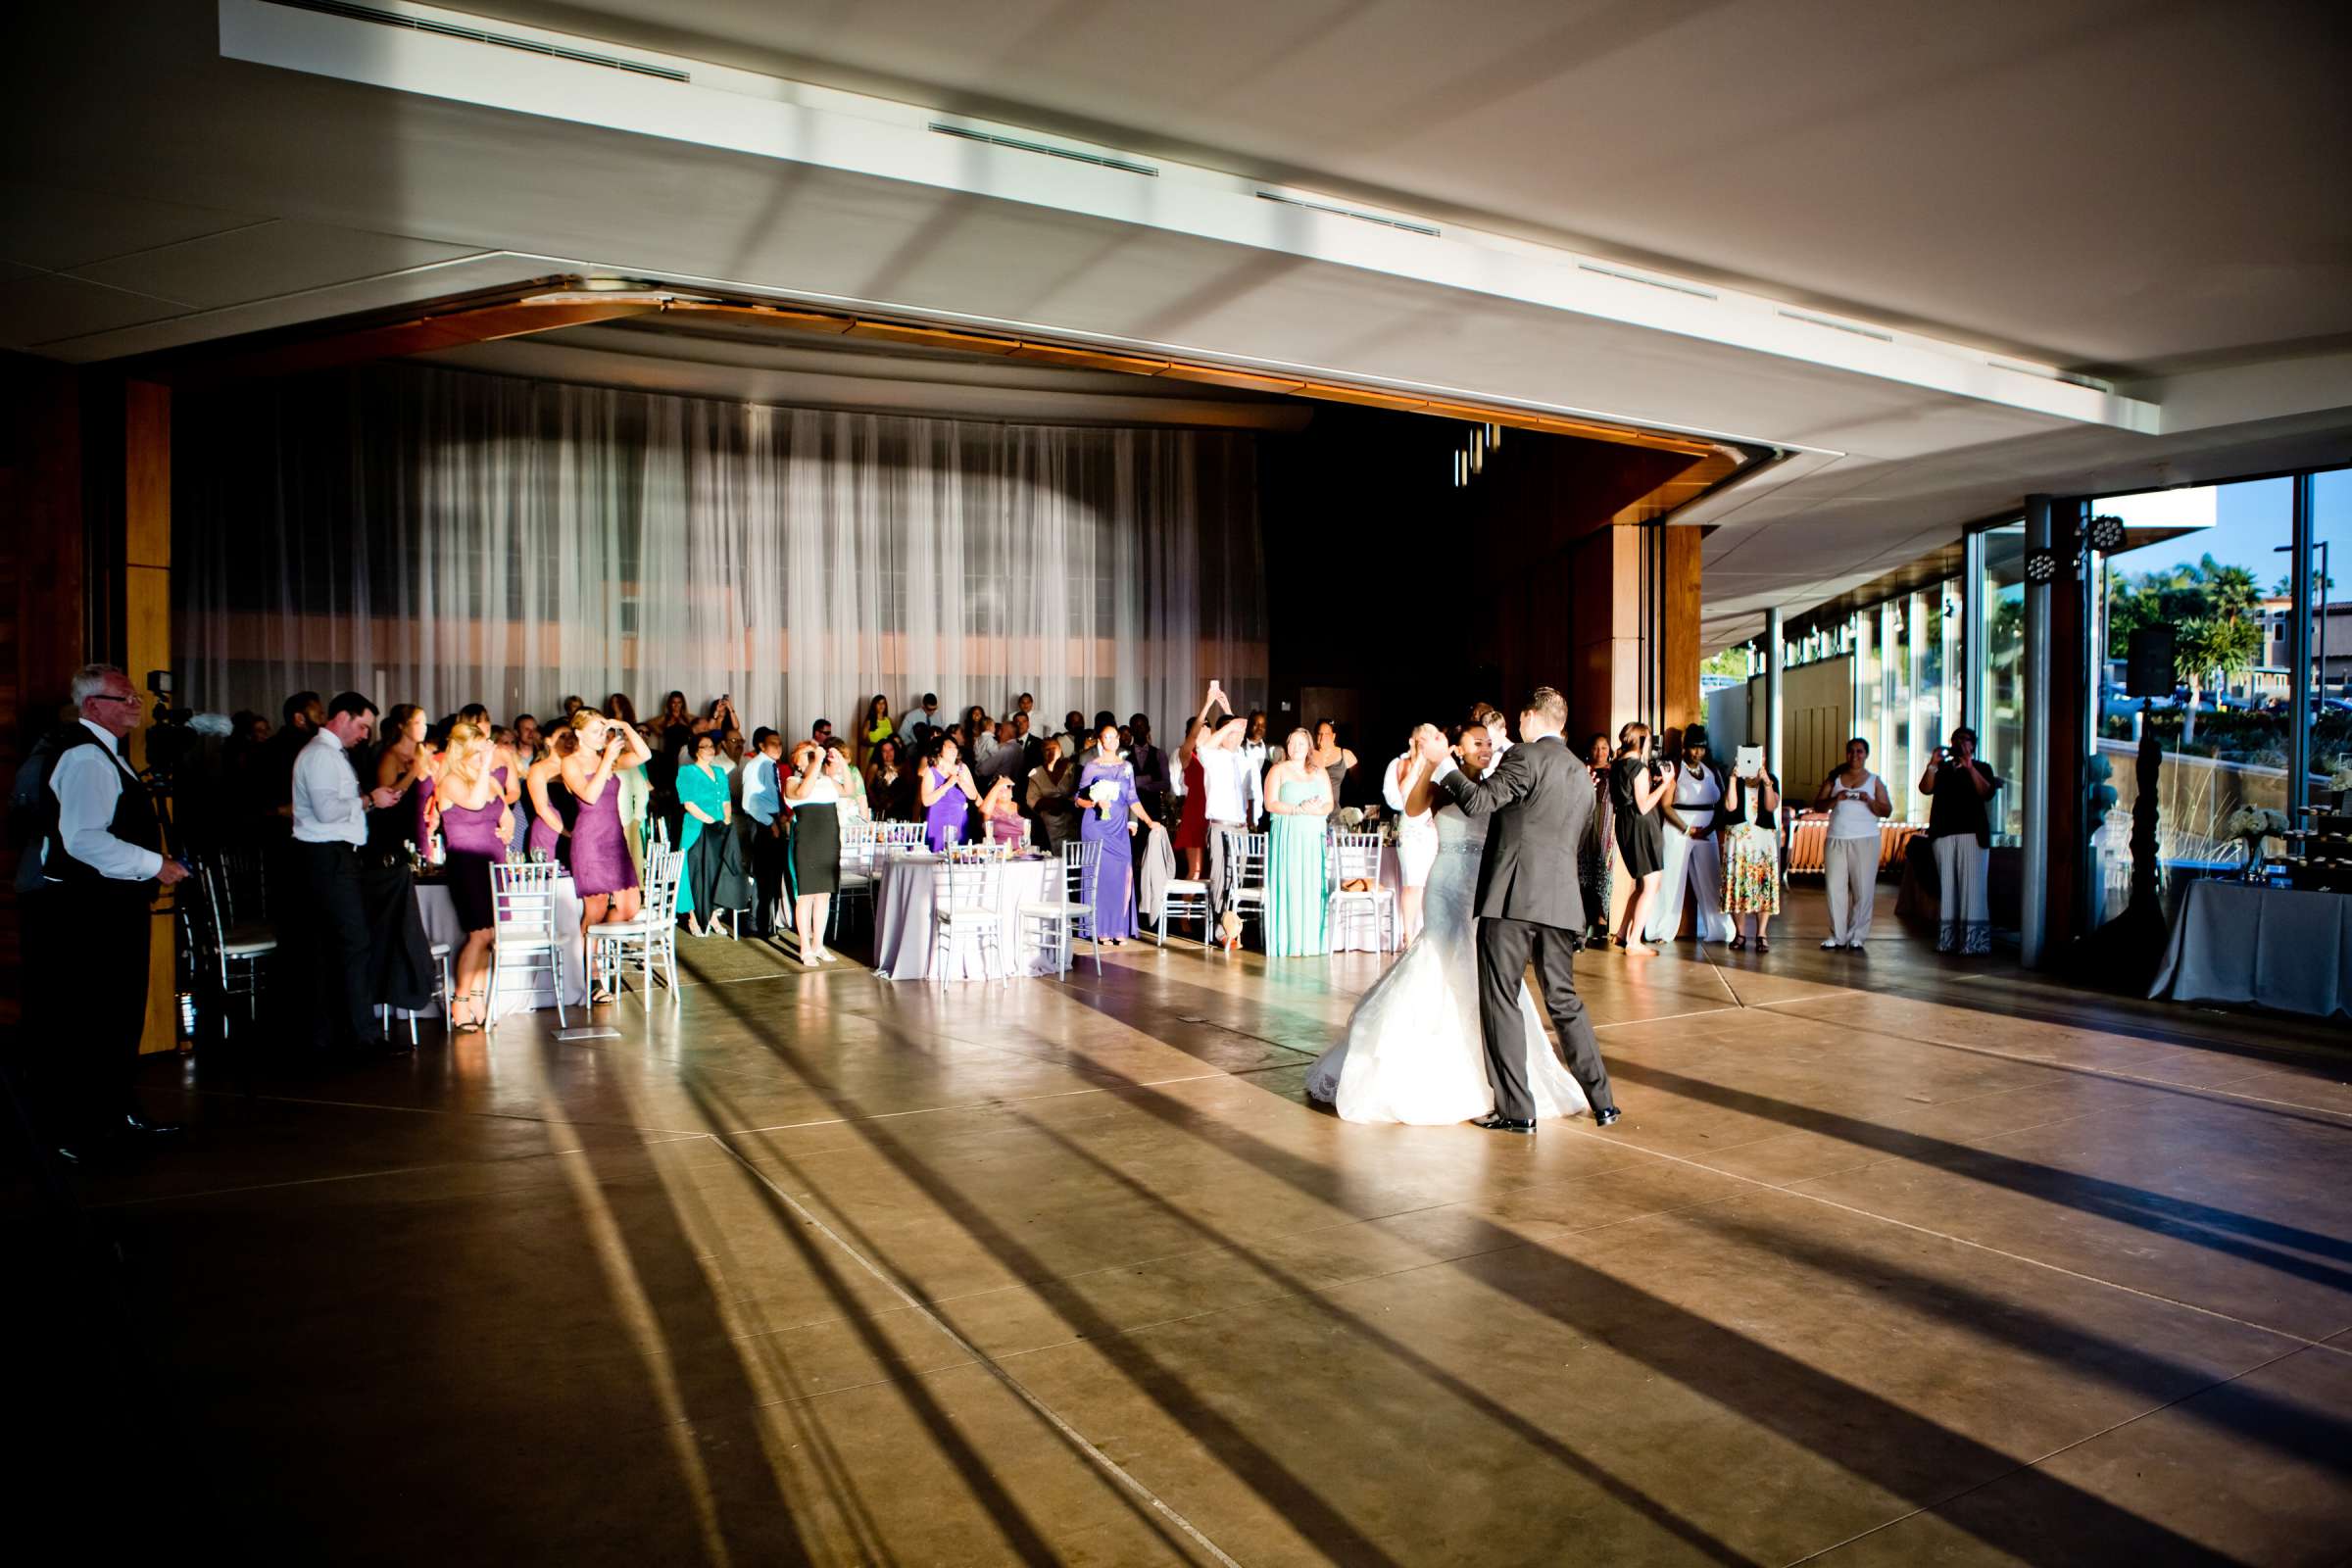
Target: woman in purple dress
x,y
477,826
946,792
602,872
551,803
1111,814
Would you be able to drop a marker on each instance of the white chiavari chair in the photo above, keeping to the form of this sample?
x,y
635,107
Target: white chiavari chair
x,y
966,891
650,941
1058,922
1355,857
526,934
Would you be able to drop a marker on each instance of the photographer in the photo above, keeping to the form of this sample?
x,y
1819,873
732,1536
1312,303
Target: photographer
x,y
86,924
1960,831
1855,799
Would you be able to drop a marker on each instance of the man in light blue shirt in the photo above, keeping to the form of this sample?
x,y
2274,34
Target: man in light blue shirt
x,y
763,804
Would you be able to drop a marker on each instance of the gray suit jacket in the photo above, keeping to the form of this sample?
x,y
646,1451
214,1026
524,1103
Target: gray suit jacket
x,y
1536,802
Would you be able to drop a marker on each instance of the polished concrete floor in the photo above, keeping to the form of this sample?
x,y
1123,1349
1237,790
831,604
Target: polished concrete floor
x,y
1894,1259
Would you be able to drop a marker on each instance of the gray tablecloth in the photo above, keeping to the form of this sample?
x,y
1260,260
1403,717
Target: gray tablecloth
x,y
2239,942
440,915
906,923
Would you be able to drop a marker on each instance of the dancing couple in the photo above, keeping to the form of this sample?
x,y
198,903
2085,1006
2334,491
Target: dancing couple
x,y
1451,1032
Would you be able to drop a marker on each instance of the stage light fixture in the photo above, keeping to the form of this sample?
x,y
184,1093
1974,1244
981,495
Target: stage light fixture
x,y
2041,566
2107,534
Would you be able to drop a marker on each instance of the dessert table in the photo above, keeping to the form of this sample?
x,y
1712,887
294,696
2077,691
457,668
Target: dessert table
x,y
2273,946
906,920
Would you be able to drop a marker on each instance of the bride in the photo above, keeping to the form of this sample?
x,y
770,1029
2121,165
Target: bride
x,y
1413,1052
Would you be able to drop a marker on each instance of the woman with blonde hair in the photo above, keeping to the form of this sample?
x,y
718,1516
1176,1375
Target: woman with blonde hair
x,y
477,826
1299,795
602,873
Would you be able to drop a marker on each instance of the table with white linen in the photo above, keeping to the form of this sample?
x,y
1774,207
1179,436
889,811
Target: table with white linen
x,y
439,912
1363,935
2274,947
906,920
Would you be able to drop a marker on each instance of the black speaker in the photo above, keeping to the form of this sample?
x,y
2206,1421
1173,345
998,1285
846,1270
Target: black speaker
x,y
2150,666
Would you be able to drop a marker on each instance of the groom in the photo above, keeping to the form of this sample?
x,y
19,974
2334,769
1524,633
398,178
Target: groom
x,y
1539,795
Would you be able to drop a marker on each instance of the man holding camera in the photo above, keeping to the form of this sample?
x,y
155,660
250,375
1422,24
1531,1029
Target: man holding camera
x,y
86,924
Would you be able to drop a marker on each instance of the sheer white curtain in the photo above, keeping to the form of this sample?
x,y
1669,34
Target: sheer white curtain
x,y
444,538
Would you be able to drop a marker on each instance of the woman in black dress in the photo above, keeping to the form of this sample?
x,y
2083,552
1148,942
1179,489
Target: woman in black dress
x,y
1636,786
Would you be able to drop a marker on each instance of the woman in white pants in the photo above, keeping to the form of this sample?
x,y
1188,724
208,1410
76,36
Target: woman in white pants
x,y
1693,859
1856,800
1960,830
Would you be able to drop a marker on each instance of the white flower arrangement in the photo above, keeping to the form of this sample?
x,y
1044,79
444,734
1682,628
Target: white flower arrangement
x,y
2254,822
2339,777
1350,818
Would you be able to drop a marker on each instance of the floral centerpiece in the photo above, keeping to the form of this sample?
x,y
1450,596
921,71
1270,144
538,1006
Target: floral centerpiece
x,y
2253,825
1349,819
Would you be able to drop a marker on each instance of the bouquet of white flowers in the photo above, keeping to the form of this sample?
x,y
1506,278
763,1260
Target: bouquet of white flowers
x,y
1104,795
2254,822
1350,818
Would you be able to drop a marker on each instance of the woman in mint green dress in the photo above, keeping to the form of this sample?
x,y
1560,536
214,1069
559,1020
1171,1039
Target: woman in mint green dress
x,y
1298,798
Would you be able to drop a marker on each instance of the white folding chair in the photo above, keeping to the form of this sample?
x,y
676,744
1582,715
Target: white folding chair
x,y
1245,877
965,895
1059,921
860,844
651,940
1181,898
526,936
1356,857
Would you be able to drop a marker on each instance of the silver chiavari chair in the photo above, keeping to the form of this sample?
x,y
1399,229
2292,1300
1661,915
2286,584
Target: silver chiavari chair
x,y
651,940
1059,921
1356,857
526,935
966,891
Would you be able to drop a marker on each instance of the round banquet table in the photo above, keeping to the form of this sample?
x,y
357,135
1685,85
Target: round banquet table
x,y
440,915
906,921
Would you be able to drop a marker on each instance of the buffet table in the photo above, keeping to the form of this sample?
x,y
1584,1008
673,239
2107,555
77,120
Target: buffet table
x,y
440,915
906,920
2274,947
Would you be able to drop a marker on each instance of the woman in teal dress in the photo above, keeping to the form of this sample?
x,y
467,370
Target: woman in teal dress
x,y
1298,891
702,793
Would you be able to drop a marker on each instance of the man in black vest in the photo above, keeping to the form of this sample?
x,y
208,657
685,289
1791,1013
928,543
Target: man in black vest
x,y
86,924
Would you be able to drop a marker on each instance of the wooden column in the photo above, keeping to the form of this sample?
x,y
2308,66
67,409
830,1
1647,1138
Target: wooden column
x,y
147,635
1678,705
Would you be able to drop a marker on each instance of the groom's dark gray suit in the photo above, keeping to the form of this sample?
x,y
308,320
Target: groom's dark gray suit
x,y
1536,801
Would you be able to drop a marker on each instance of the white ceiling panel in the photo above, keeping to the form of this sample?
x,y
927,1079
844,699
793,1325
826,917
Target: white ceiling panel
x,y
56,227
266,261
38,305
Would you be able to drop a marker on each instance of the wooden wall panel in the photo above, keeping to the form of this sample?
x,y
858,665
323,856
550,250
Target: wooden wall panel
x,y
147,633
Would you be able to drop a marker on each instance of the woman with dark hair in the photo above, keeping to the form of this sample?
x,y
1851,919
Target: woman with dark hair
x,y
814,789
618,707
1751,837
552,806
1111,815
1693,859
1600,841
873,729
1298,886
715,879
1638,790
890,781
1330,756
1856,800
946,791
1958,788
403,766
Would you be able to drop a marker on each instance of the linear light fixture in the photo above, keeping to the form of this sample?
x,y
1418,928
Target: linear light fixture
x,y
503,40
1125,166
1407,225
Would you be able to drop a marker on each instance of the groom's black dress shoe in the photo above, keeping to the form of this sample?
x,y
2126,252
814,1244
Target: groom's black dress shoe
x,y
1602,1118
1504,1124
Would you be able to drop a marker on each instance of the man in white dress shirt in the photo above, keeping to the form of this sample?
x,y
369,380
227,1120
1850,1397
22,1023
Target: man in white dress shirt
x,y
85,921
330,823
1233,797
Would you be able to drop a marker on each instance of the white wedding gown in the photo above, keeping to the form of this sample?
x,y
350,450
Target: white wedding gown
x,y
1413,1052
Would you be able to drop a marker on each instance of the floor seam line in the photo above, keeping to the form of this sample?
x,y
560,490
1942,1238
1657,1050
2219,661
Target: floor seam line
x,y
1960,1241
1103,1463
2065,1447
